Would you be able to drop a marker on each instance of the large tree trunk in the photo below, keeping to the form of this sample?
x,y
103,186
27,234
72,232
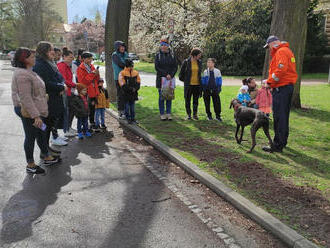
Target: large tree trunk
x,y
116,28
289,24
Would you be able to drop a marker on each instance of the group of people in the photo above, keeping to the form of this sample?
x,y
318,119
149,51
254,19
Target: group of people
x,y
48,90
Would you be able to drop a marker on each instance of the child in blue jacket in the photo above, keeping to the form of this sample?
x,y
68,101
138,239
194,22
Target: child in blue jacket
x,y
243,95
211,86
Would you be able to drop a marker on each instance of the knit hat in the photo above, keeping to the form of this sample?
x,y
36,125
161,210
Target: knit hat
x,y
80,87
244,87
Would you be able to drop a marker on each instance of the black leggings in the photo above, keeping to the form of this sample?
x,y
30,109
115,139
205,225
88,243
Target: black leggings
x,y
192,91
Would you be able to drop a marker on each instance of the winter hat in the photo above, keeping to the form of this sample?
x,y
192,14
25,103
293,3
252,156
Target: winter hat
x,y
80,87
244,87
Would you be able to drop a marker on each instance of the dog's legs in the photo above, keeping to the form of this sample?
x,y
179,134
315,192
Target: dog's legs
x,y
237,129
254,130
241,138
266,131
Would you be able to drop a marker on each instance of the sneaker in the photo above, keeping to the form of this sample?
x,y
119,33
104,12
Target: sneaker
x,y
63,138
70,134
135,122
103,126
129,121
122,116
195,117
96,129
54,151
163,117
80,136
219,119
271,149
35,170
188,118
169,117
59,142
55,160
88,134
210,118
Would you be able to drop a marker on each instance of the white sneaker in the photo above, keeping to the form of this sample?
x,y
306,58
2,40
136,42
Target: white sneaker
x,y
70,134
163,117
59,142
71,130
169,117
64,138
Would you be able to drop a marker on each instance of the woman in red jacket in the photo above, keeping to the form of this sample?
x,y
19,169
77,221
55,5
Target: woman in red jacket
x,y
65,68
89,76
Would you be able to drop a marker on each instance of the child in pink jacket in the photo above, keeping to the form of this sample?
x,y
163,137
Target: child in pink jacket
x,y
264,99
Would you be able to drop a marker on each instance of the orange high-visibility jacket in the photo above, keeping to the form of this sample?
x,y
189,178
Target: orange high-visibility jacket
x,y
282,68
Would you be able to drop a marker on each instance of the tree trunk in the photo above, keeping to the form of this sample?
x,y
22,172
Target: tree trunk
x,y
116,28
289,23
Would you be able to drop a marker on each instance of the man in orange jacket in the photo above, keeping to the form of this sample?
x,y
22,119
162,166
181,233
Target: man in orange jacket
x,y
282,77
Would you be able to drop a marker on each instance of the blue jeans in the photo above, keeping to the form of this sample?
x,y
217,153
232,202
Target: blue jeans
x,y
33,133
82,125
130,110
161,104
99,114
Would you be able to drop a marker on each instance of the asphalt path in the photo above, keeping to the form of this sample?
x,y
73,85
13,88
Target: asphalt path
x,y
101,195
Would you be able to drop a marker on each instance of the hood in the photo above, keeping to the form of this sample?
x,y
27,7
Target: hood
x,y
283,44
119,43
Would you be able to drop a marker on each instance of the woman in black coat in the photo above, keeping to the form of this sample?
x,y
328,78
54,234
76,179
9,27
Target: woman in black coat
x,y
190,74
55,87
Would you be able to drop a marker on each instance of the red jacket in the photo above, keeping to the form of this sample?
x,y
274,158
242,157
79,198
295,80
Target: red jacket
x,y
264,97
89,79
66,72
282,69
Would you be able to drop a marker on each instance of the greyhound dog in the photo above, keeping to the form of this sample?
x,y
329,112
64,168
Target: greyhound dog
x,y
245,116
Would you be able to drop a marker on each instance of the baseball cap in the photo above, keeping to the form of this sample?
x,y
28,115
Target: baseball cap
x,y
270,40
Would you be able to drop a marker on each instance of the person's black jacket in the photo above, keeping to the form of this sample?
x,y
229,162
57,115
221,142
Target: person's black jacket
x,y
54,83
130,89
185,72
165,64
78,107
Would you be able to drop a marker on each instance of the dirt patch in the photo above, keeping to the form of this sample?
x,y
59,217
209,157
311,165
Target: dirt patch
x,y
303,208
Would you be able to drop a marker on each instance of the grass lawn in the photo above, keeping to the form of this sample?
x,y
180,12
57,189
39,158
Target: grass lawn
x,y
279,182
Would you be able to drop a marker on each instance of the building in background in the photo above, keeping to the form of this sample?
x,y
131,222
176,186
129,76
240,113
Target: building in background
x,y
324,6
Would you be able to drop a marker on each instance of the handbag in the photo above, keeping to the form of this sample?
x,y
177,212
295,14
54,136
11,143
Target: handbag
x,y
167,90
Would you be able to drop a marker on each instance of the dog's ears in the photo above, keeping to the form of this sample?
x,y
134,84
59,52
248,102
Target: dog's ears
x,y
231,104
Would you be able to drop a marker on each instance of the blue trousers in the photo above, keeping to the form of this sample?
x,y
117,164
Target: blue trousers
x,y
82,125
281,110
130,110
161,104
99,116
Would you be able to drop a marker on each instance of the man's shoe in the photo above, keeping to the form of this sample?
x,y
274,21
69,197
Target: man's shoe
x,y
271,149
169,117
55,160
188,118
80,136
163,117
88,134
135,122
59,142
96,129
70,134
63,138
103,126
195,117
210,118
129,121
219,119
35,170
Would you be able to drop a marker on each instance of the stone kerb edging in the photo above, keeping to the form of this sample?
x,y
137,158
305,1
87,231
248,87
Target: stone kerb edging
x,y
266,220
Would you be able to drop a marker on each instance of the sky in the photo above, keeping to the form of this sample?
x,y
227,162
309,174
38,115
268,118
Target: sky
x,y
86,8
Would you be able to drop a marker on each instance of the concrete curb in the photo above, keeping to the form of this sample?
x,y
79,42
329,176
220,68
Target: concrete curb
x,y
279,229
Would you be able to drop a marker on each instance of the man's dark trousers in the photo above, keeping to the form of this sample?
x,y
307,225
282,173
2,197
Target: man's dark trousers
x,y
281,110
208,94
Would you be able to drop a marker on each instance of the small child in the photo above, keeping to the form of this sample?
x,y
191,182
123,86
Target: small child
x,y
129,80
211,86
81,110
101,104
264,99
243,95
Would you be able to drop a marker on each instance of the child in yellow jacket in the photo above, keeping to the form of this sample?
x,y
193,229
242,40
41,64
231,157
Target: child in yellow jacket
x,y
101,104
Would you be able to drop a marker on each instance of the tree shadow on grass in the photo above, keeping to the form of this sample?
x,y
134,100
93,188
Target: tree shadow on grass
x,y
314,114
